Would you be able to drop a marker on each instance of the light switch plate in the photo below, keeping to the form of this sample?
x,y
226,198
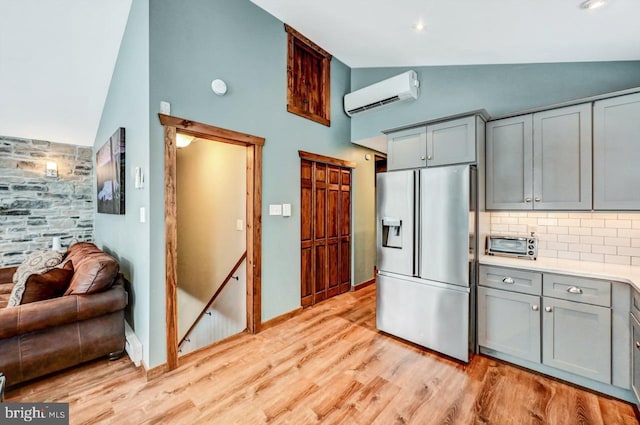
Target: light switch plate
x,y
239,224
286,210
275,209
143,215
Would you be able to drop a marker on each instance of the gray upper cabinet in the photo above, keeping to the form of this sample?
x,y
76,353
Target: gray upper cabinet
x,y
576,338
540,161
562,158
616,149
435,143
509,322
509,160
451,142
407,149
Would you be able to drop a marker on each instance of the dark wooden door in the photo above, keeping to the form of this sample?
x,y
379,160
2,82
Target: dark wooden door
x,y
325,231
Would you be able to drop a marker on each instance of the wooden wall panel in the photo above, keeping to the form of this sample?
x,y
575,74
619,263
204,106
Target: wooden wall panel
x,y
345,230
345,265
306,233
320,280
333,265
307,277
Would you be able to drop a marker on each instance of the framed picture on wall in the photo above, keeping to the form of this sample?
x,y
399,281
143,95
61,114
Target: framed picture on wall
x,y
110,173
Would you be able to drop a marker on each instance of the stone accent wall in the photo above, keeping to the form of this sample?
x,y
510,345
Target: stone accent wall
x,y
35,208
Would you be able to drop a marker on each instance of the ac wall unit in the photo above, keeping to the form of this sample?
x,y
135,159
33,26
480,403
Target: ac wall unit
x,y
385,92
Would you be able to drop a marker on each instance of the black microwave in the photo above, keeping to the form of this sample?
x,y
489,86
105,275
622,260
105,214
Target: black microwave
x,y
513,246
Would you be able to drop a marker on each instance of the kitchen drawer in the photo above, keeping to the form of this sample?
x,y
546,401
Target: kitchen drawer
x,y
635,304
508,279
590,291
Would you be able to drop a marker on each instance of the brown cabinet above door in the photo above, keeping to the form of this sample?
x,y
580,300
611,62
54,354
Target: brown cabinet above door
x,y
308,78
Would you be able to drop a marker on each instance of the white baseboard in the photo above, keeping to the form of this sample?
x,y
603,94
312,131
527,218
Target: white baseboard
x,y
133,346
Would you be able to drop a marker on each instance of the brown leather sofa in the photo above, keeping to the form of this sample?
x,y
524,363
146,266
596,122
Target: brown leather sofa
x,y
85,323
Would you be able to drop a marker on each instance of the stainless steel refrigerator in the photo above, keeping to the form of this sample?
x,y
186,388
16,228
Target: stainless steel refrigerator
x,y
426,254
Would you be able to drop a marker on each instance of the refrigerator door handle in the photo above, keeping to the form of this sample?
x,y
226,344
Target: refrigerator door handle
x,y
417,251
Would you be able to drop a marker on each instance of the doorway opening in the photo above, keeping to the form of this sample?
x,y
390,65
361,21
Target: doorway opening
x,y
211,217
253,262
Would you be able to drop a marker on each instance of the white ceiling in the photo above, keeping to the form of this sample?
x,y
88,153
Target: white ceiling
x,y
56,62
57,57
379,33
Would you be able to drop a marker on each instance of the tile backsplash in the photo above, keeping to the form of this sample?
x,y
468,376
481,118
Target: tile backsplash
x,y
588,236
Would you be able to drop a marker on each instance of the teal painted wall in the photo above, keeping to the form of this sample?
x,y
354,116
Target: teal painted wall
x,y
190,45
127,105
171,51
500,89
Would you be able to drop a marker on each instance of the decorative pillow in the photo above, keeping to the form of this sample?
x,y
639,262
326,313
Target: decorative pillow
x,y
51,284
36,262
94,270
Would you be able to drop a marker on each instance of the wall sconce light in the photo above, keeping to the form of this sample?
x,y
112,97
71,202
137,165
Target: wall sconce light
x,y
52,169
183,140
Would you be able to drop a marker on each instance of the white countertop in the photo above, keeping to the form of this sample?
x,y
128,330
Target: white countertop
x,y
626,274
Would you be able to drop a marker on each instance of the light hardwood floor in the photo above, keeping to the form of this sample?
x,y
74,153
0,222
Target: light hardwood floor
x,y
326,365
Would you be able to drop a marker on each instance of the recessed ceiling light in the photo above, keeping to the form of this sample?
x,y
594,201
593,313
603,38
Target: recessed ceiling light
x,y
418,26
592,4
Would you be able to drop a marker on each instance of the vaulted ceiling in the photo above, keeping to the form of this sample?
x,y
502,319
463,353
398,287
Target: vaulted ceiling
x,y
57,58
381,33
56,62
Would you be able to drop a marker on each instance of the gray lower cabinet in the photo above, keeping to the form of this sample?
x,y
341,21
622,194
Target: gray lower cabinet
x,y
635,360
616,149
540,161
509,322
554,320
514,280
576,338
407,149
451,142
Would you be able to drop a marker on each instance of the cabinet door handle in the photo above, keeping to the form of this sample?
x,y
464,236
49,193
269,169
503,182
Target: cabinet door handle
x,y
574,290
534,307
527,199
548,309
537,199
422,158
508,280
429,157
638,345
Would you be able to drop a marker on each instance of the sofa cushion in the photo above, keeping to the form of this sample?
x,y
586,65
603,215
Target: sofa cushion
x,y
36,262
51,284
6,274
94,271
5,292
